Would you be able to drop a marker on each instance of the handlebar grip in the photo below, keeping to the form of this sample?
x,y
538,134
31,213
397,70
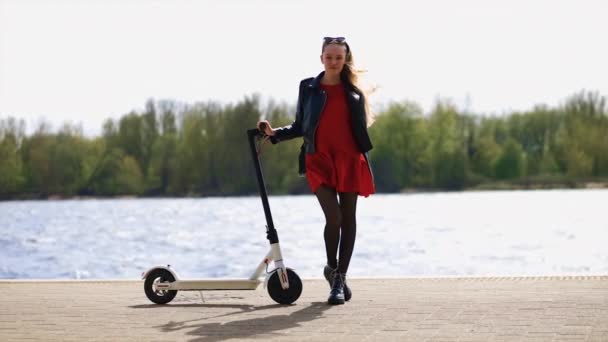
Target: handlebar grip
x,y
263,127
255,132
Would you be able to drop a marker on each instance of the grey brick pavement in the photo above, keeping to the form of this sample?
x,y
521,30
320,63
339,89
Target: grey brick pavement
x,y
437,309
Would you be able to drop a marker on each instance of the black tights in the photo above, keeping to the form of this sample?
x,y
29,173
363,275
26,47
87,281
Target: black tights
x,y
340,225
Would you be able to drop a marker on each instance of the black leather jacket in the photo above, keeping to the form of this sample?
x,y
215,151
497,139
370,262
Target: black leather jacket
x,y
311,101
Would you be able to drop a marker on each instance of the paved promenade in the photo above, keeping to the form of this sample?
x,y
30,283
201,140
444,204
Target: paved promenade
x,y
424,309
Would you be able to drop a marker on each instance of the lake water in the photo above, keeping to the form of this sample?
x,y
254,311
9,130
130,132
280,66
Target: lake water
x,y
554,232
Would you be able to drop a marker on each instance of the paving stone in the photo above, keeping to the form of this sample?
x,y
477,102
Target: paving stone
x,y
396,309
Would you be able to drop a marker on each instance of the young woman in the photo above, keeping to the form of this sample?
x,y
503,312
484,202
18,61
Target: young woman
x,y
332,117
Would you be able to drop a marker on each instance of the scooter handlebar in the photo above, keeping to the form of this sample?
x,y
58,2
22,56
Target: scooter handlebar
x,y
257,132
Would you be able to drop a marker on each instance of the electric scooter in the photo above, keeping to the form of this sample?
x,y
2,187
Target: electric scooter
x,y
284,286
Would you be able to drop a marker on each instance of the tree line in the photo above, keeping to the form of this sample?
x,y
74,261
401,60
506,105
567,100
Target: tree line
x,y
201,149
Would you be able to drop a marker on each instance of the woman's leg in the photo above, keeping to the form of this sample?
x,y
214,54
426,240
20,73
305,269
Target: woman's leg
x,y
329,203
348,209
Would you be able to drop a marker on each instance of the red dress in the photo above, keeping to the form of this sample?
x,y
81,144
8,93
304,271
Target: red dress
x,y
337,162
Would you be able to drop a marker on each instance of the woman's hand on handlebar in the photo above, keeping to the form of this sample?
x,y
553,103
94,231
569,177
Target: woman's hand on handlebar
x,y
264,126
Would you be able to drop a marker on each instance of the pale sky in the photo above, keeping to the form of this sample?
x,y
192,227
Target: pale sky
x,y
85,60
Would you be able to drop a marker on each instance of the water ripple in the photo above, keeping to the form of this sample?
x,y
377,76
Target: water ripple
x,y
471,233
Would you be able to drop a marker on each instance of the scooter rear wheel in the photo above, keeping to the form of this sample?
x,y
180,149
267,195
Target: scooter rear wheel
x,y
159,296
276,292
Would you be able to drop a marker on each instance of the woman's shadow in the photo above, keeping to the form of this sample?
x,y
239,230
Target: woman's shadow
x,y
244,328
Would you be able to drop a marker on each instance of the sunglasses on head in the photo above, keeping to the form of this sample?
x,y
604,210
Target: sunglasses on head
x,y
331,40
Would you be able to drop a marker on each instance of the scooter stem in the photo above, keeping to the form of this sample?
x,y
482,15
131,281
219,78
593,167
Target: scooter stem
x,y
271,232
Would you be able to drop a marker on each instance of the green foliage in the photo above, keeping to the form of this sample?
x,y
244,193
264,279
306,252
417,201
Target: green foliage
x,y
11,164
202,150
280,162
162,165
511,163
118,174
548,164
447,148
401,143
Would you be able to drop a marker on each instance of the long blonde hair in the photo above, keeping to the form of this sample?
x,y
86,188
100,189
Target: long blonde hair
x,y
351,74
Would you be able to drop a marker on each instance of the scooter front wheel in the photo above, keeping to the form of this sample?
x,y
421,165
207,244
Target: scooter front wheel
x,y
288,296
157,296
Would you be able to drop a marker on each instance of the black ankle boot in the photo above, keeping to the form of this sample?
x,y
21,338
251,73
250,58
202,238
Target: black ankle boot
x,y
336,295
328,273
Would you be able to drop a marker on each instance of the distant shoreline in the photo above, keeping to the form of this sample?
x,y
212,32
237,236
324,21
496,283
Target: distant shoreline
x,y
493,186
506,186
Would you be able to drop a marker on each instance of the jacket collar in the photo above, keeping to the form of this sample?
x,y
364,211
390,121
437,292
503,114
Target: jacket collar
x,y
316,83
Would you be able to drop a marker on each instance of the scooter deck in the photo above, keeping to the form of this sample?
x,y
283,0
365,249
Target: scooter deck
x,y
212,284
